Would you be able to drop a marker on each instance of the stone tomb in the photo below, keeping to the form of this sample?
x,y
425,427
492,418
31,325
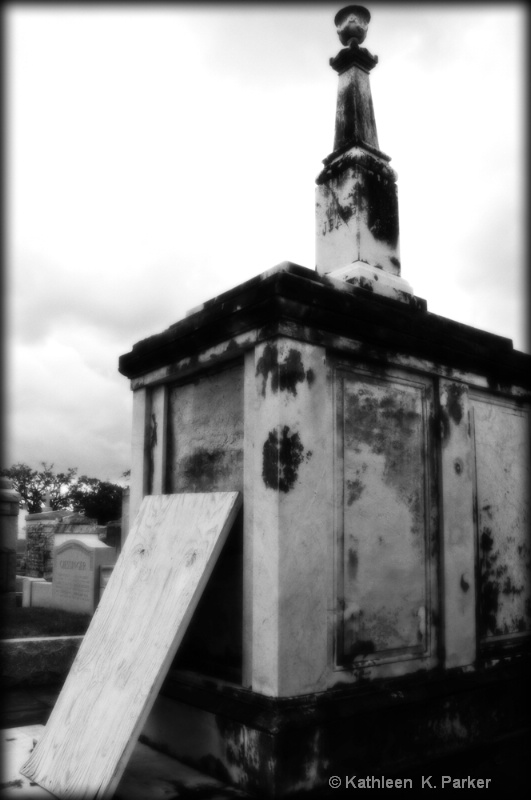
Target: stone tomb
x,y
371,609
76,573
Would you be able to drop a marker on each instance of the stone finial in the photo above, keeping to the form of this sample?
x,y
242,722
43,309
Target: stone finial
x,y
352,23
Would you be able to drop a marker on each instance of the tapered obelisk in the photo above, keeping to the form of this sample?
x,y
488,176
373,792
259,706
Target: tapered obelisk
x,y
356,204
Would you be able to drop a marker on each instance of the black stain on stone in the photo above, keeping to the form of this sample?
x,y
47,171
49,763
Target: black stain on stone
x,y
510,589
490,589
267,364
486,540
236,753
354,488
203,467
382,208
281,459
352,564
291,372
390,424
366,284
285,375
363,647
151,456
455,408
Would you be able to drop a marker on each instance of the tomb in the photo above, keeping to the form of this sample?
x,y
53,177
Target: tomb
x,y
371,609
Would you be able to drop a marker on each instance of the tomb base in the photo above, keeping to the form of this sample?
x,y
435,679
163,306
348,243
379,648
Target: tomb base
x,y
452,724
373,602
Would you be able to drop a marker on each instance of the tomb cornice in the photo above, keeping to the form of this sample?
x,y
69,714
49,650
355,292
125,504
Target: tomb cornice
x,y
293,293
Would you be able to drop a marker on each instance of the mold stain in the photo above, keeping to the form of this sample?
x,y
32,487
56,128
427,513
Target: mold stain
x,y
353,564
354,488
489,594
444,425
495,582
241,751
203,467
151,452
391,426
291,372
281,458
455,408
286,374
382,209
268,364
363,647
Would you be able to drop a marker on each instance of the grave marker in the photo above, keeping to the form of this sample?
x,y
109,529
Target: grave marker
x,y
76,573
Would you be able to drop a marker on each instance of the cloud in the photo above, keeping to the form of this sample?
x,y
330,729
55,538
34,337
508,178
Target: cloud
x,y
159,156
63,411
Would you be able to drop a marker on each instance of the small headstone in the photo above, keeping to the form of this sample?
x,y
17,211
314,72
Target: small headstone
x,y
76,573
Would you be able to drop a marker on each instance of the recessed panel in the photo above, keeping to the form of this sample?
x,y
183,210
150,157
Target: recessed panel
x,y
205,433
383,581
501,435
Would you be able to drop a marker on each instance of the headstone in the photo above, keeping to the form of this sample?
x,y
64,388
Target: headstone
x,y
76,573
42,594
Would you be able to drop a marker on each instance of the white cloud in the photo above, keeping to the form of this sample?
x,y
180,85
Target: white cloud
x,y
158,156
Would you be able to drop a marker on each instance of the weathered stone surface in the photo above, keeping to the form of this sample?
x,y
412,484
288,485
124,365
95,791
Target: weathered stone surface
x,y
205,434
502,482
457,523
408,728
37,661
387,581
76,579
375,280
357,214
355,122
295,295
289,508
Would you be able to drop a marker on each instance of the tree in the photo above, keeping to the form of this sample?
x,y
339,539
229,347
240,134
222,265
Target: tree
x,y
98,499
33,485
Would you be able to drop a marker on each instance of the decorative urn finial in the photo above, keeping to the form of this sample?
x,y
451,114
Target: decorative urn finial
x,y
352,24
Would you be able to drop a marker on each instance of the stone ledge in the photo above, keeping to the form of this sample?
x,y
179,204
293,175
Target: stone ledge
x,y
37,661
295,294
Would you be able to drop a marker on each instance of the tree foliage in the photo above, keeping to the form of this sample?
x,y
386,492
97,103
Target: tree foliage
x,y
98,499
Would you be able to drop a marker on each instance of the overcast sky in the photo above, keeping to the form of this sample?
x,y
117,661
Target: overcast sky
x,y
157,156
